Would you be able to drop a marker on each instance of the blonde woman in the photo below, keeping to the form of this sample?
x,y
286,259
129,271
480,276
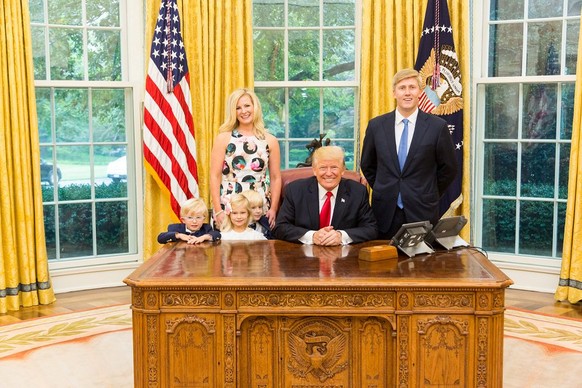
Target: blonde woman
x,y
244,157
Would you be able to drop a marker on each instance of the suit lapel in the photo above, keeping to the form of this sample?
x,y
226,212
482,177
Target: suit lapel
x,y
420,128
313,202
390,133
341,203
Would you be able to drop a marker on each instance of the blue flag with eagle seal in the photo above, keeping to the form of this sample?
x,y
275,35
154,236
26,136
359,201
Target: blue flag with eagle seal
x,y
438,65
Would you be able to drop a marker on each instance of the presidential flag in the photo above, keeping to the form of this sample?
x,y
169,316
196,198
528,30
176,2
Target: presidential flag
x,y
168,133
438,65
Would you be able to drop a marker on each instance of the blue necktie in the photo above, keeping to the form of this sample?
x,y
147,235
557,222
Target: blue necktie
x,y
402,152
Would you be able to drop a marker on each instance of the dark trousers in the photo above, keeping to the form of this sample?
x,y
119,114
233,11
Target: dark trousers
x,y
397,221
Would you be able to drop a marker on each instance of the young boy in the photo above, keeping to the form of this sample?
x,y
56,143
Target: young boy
x,y
193,228
260,222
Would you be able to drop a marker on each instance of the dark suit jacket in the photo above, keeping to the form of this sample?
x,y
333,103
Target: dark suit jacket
x,y
429,169
170,235
264,222
299,212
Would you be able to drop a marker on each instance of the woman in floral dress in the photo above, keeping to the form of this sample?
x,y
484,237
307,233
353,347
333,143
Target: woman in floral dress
x,y
244,156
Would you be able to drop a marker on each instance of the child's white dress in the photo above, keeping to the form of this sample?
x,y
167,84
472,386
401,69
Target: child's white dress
x,y
248,234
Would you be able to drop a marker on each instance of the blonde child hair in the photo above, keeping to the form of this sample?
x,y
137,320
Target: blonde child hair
x,y
255,199
236,201
194,205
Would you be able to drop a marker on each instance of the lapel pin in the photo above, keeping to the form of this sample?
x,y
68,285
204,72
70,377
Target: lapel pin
x,y
343,200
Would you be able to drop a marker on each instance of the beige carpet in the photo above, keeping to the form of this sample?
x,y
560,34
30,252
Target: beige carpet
x,y
94,349
81,350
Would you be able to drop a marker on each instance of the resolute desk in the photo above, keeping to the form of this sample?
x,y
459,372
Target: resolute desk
x,y
277,314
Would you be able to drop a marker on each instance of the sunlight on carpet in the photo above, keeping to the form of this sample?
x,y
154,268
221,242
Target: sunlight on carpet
x,y
94,349
86,349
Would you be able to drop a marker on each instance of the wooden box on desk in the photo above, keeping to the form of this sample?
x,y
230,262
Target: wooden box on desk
x,y
378,253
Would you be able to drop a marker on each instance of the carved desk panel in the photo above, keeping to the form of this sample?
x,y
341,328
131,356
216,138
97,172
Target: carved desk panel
x,y
275,314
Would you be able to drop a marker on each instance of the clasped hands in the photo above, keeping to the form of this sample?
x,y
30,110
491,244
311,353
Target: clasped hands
x,y
193,239
327,236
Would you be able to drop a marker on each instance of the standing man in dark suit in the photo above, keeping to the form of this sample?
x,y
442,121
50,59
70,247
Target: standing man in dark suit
x,y
409,189
310,215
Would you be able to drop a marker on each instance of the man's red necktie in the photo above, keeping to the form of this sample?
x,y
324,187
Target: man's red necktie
x,y
325,214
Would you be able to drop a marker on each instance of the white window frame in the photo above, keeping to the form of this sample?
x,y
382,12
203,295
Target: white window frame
x,y
537,273
110,270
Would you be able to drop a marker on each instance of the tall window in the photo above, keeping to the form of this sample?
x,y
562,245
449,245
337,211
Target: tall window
x,y
306,73
524,127
85,114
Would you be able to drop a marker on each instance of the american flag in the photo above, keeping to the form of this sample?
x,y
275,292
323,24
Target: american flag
x,y
169,145
438,65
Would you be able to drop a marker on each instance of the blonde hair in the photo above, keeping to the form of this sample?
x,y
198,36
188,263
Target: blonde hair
x,y
255,199
405,74
328,152
193,205
236,201
231,122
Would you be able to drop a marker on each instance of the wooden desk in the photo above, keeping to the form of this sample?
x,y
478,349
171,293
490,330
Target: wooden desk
x,y
276,314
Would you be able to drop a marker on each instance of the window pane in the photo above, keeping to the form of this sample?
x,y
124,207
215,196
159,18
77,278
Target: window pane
x,y
500,169
501,111
545,8
104,51
304,112
76,169
338,55
506,9
75,230
36,8
348,147
298,152
574,7
49,230
499,225
303,13
71,115
112,227
268,14
273,105
564,170
103,13
303,55
567,115
339,13
108,115
50,173
43,111
110,165
535,238
66,54
560,228
539,111
537,170
572,31
67,12
505,42
38,52
338,112
543,54
269,58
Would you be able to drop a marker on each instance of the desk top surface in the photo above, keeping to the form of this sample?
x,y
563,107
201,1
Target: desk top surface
x,y
274,263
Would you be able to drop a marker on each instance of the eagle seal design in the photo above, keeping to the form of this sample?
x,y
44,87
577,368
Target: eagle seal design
x,y
447,98
316,350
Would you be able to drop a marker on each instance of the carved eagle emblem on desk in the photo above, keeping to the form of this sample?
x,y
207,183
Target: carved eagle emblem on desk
x,y
316,354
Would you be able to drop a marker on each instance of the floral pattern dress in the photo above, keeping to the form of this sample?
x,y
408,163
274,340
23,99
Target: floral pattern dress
x,y
246,162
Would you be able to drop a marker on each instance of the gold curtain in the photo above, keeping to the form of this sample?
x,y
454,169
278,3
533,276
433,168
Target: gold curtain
x,y
570,285
390,39
218,37
24,277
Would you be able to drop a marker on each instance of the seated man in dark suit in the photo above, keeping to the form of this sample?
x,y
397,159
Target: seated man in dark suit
x,y
326,209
